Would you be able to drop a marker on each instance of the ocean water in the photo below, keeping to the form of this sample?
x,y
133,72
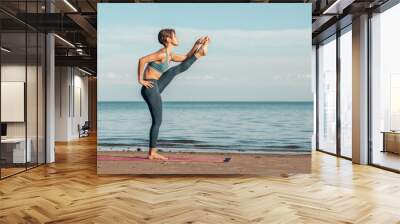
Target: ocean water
x,y
209,126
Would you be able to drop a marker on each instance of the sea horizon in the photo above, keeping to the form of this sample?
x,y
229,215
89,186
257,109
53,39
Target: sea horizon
x,y
209,126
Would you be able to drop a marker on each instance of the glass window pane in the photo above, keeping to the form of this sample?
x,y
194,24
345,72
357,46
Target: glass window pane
x,y
41,98
385,83
346,94
13,86
31,100
31,86
327,96
23,89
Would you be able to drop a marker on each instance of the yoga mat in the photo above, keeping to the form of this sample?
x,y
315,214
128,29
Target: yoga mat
x,y
203,159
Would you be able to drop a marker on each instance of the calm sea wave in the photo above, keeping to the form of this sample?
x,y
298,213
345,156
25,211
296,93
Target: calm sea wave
x,y
209,126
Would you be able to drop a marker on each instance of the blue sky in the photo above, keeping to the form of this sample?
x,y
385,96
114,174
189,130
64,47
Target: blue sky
x,y
259,51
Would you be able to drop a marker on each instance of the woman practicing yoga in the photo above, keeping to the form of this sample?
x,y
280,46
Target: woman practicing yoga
x,y
157,77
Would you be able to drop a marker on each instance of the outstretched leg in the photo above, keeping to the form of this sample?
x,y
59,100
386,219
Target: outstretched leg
x,y
168,75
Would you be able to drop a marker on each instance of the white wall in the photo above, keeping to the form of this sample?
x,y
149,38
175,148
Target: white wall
x,y
70,83
15,72
79,117
62,81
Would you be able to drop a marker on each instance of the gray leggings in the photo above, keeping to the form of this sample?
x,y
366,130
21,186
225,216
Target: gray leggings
x,y
152,96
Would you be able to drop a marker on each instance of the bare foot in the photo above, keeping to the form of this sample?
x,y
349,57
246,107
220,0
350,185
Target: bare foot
x,y
155,155
202,50
200,41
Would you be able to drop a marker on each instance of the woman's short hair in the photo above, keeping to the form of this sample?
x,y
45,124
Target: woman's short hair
x,y
164,34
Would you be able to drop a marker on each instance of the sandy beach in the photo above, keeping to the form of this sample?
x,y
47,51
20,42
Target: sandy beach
x,y
239,163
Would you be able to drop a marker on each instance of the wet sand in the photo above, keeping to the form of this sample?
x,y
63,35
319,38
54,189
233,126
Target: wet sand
x,y
240,163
